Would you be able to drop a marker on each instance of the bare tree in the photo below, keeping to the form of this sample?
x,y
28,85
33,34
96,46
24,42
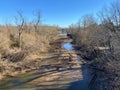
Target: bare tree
x,y
109,60
20,22
37,21
87,20
110,18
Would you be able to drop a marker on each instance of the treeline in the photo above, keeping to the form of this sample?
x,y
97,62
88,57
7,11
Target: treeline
x,y
98,40
23,42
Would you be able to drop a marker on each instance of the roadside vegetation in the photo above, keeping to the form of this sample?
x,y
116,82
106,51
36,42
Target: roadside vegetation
x,y
22,43
98,41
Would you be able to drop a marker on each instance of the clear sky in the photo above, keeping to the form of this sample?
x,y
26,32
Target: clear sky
x,y
60,12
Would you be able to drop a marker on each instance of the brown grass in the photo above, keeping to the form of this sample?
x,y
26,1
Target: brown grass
x,y
12,57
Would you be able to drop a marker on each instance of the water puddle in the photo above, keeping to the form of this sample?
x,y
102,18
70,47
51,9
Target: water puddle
x,y
83,84
67,46
63,34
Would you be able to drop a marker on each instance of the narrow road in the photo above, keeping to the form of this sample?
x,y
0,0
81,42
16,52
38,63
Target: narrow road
x,y
57,72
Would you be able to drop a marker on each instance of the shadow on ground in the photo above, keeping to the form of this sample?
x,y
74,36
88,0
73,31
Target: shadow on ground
x,y
64,79
81,84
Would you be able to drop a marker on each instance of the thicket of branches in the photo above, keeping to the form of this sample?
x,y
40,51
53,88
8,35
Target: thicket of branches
x,y
23,42
99,43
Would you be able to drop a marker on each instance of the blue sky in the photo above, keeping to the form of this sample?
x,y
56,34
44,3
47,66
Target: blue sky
x,y
53,12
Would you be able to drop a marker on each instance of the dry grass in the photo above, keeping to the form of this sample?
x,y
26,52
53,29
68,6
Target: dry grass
x,y
12,57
